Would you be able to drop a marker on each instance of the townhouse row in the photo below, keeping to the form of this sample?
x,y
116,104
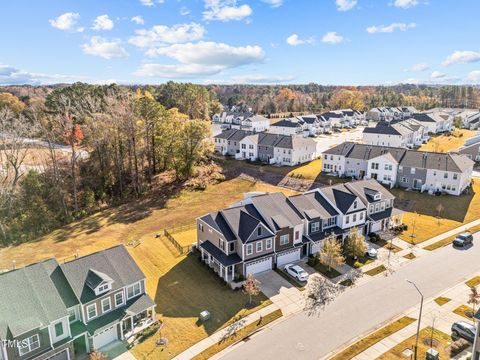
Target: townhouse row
x,y
270,148
405,133
269,230
432,172
64,311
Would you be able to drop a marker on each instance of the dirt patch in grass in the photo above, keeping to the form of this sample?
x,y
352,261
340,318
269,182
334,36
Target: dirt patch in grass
x,y
473,282
465,311
442,342
449,240
238,335
376,270
290,279
441,300
322,269
370,340
409,256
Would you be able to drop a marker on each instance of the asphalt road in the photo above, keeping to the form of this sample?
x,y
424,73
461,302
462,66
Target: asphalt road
x,y
360,309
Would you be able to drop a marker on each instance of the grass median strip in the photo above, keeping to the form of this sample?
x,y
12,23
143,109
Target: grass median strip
x,y
449,240
409,256
473,281
441,300
238,335
291,280
323,269
465,311
370,340
376,270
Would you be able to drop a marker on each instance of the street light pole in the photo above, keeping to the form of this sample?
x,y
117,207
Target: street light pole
x,y
419,317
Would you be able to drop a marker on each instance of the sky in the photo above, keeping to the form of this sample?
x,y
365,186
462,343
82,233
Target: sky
x,y
331,42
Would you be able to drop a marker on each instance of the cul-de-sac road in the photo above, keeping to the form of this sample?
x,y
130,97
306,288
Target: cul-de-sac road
x,y
360,309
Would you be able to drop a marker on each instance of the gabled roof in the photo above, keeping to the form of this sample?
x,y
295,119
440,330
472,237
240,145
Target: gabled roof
x,y
472,150
366,190
341,197
287,123
233,134
116,262
312,205
276,210
32,297
95,278
365,152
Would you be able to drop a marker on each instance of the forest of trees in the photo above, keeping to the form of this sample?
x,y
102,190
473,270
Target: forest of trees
x,y
129,136
116,139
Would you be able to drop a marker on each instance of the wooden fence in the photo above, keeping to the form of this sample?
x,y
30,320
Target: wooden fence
x,y
181,249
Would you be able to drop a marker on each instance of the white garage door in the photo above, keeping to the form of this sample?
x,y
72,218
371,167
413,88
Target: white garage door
x,y
376,226
105,337
288,257
258,266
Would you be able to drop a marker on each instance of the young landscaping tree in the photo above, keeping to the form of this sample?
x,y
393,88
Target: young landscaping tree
x,y
439,209
355,244
251,287
331,253
318,293
474,300
96,355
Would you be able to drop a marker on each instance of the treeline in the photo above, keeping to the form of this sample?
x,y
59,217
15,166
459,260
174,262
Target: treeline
x,y
270,99
114,141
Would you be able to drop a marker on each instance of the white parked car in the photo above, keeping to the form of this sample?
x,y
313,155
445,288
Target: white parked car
x,y
372,253
297,272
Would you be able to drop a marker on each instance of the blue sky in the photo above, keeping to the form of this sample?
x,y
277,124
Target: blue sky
x,y
340,42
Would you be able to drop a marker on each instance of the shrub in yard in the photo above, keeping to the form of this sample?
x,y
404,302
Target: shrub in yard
x,y
457,347
374,237
313,260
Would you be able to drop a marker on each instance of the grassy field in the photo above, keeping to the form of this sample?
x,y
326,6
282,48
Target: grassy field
x,y
238,335
370,340
422,216
376,270
441,342
465,311
172,280
445,143
449,240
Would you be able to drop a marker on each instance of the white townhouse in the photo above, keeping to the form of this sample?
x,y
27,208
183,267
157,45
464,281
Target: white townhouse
x,y
435,122
294,150
406,133
291,126
240,121
248,148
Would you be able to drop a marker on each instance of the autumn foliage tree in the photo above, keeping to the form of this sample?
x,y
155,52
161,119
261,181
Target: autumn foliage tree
x,y
251,287
331,253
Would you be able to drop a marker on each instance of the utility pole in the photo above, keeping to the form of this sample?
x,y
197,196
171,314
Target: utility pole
x,y
419,317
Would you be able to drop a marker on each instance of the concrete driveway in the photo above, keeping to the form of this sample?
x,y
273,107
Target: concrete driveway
x,y
283,294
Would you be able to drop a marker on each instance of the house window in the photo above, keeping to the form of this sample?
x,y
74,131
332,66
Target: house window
x,y
59,329
412,170
221,244
361,216
106,305
315,226
404,179
259,246
268,244
455,176
377,207
72,315
103,288
347,219
91,311
297,235
284,239
355,204
400,168
133,290
445,176
29,344
354,217
259,231
119,299
249,249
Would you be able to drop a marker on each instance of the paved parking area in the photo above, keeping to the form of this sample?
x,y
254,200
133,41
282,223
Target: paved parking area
x,y
325,142
283,294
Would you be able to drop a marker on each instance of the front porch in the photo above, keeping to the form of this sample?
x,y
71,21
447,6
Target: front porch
x,y
385,220
133,324
222,264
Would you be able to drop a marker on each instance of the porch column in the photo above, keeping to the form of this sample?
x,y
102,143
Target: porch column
x,y
153,313
131,323
221,270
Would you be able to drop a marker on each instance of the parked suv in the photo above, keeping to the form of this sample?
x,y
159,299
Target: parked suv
x,y
462,329
463,240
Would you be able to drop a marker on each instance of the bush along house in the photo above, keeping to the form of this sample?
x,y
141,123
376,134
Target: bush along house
x,y
269,230
63,311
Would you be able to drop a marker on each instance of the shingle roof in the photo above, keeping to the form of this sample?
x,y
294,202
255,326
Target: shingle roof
x,y
312,205
472,150
274,208
286,123
116,262
233,134
366,189
32,297
341,197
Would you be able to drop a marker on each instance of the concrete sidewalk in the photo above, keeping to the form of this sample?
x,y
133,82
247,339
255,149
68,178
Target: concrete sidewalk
x,y
225,332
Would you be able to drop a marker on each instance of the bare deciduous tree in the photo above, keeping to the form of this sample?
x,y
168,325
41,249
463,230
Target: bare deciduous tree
x,y
251,287
319,293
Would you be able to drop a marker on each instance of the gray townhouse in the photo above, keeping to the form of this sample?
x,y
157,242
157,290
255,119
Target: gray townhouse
x,y
471,151
435,121
270,230
449,173
228,141
63,311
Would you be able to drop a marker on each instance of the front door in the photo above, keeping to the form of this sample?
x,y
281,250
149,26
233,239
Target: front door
x,y
80,345
127,325
417,184
304,250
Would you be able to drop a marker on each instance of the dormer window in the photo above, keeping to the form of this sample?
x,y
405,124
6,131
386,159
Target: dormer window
x,y
259,231
377,196
103,288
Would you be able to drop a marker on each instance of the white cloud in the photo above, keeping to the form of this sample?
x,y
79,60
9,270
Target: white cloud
x,y
390,28
102,22
10,75
151,2
274,3
345,5
198,59
137,20
225,10
332,38
437,75
184,11
65,21
261,79
462,57
474,76
419,67
104,48
294,40
160,35
405,4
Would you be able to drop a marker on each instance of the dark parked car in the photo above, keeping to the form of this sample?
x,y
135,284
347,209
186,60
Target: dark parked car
x,y
465,330
463,240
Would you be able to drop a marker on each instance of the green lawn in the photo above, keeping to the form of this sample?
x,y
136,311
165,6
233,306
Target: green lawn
x,y
370,340
238,335
361,261
323,269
